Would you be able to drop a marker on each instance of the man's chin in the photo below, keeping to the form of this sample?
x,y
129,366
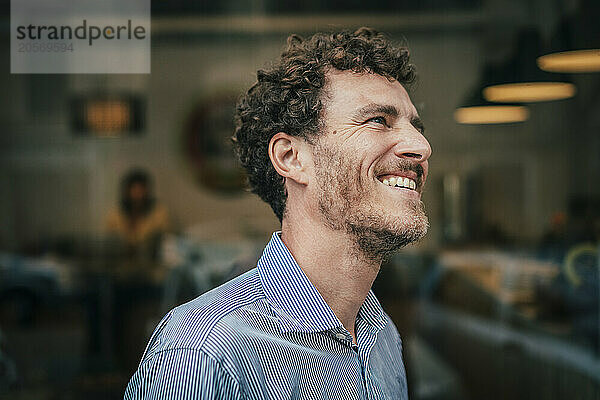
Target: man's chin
x,y
379,241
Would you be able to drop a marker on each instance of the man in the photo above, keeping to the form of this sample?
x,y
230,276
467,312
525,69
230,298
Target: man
x,y
331,140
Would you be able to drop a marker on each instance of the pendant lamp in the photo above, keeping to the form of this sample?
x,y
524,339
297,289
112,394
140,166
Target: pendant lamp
x,y
521,81
477,110
575,44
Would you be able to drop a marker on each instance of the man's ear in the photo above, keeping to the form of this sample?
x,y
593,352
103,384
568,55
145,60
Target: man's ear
x,y
287,154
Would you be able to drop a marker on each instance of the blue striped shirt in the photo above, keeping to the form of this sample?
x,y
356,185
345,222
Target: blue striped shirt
x,y
268,334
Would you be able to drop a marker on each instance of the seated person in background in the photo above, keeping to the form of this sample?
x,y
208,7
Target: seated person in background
x,y
138,224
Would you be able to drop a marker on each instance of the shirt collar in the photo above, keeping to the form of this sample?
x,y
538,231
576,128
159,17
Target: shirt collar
x,y
298,304
372,312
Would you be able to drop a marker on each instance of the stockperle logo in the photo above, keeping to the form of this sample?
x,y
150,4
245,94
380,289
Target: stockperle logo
x,y
83,36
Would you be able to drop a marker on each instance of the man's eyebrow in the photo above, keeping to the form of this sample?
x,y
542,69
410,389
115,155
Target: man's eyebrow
x,y
373,108
370,109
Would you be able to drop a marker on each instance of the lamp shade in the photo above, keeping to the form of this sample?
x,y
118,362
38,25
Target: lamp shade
x,y
574,61
520,80
574,44
477,110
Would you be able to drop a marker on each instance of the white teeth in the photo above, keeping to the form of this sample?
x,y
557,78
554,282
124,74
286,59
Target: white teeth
x,y
400,182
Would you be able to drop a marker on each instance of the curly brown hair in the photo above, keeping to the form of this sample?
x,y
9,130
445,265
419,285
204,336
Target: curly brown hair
x,y
288,97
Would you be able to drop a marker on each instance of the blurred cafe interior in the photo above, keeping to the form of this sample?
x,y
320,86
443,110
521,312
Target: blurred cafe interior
x,y
120,197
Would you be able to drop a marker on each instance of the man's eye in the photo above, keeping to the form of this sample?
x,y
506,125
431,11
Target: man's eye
x,y
378,120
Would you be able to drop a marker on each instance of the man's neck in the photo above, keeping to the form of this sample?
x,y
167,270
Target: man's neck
x,y
332,264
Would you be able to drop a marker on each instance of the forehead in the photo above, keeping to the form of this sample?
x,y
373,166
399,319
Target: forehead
x,y
348,91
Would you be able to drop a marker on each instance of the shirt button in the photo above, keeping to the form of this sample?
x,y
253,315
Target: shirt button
x,y
340,336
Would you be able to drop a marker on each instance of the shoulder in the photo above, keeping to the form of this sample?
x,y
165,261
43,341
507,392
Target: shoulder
x,y
192,324
160,210
182,374
159,215
189,354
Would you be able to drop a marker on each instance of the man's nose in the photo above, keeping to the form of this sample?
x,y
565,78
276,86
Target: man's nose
x,y
413,145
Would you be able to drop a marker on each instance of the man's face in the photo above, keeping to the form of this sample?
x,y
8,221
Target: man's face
x,y
371,163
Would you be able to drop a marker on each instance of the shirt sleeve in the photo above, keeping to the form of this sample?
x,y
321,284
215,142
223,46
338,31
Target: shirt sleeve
x,y
182,374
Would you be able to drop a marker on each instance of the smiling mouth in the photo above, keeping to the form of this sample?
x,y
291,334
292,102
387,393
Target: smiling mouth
x,y
399,182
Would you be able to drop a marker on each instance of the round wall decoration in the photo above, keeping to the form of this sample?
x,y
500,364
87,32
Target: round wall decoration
x,y
207,138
